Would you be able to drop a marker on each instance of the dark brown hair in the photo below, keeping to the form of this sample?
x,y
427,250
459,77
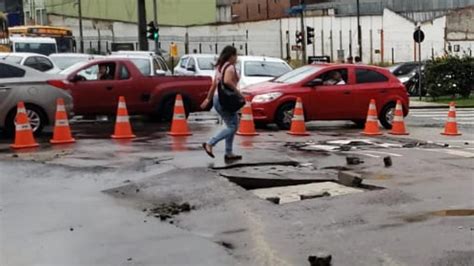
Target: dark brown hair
x,y
225,55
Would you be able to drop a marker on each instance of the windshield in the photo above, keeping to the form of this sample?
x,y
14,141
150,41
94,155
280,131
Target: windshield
x,y
143,65
39,48
265,69
12,59
298,74
73,68
206,63
65,62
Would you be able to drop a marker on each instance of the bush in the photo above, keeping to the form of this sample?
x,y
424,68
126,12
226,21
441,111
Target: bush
x,y
449,76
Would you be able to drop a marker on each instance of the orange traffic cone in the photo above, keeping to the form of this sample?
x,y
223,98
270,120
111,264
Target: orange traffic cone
x,y
179,125
298,127
23,132
372,122
123,129
451,127
398,125
247,127
62,132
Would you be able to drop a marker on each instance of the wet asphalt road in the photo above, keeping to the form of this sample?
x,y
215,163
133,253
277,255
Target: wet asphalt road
x,y
101,202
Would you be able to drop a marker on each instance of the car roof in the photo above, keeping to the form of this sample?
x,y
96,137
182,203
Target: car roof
x,y
74,55
125,56
22,54
259,58
143,53
200,55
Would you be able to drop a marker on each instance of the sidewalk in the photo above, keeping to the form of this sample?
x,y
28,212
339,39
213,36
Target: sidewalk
x,y
417,104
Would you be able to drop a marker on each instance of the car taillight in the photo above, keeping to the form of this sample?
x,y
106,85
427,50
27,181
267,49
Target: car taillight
x,y
57,83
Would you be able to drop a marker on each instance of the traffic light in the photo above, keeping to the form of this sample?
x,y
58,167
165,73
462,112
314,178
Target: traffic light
x,y
152,31
299,37
309,35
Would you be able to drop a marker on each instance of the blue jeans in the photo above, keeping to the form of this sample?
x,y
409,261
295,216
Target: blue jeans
x,y
231,121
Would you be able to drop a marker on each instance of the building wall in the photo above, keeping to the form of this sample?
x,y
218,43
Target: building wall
x,y
385,38
170,12
252,10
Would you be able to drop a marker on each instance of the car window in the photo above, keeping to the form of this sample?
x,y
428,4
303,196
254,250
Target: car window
x,y
124,74
369,76
183,62
7,71
298,74
31,62
156,65
334,77
206,63
191,63
102,71
67,61
265,69
404,69
144,65
163,64
44,64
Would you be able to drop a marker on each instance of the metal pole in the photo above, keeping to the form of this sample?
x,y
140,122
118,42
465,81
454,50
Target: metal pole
x,y
142,41
81,36
359,31
303,33
155,20
419,63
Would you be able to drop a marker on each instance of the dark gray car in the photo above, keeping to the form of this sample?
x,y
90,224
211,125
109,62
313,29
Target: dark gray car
x,y
37,90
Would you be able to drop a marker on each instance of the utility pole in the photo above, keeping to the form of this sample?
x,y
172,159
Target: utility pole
x,y
303,32
359,31
142,40
155,20
81,36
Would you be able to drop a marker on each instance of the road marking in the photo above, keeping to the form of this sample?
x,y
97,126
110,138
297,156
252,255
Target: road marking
x,y
363,153
455,152
457,115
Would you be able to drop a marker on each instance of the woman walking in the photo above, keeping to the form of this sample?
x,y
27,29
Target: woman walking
x,y
225,72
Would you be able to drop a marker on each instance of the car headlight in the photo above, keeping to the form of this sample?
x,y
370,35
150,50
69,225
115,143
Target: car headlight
x,y
265,98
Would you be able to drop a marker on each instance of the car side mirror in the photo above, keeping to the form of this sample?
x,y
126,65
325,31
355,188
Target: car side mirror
x,y
315,82
191,68
76,78
160,72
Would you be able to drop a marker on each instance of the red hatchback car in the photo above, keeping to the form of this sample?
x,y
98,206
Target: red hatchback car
x,y
329,92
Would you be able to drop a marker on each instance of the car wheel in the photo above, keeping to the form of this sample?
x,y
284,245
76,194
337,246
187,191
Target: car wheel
x,y
36,116
360,123
284,116
386,115
167,110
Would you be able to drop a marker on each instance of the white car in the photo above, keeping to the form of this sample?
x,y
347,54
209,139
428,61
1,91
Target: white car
x,y
196,65
36,61
65,60
148,63
256,69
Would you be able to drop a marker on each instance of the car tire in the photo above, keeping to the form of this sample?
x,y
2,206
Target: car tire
x,y
387,114
37,118
166,112
360,123
284,115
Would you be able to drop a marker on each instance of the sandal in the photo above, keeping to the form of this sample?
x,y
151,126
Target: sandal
x,y
208,149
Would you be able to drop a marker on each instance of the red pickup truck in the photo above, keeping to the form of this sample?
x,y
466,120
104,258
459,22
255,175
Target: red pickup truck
x,y
96,86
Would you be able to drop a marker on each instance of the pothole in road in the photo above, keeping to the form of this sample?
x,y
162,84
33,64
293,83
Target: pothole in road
x,y
284,183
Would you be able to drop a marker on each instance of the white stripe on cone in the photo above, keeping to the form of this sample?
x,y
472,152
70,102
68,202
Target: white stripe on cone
x,y
372,118
61,108
179,117
451,119
372,107
21,110
299,105
178,103
298,118
122,105
62,122
122,119
23,127
246,117
398,119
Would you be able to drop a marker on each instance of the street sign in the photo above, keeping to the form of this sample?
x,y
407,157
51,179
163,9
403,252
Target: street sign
x,y
419,36
173,50
296,48
320,59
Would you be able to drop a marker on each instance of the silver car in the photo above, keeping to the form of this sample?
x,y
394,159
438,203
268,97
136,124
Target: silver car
x,y
37,90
